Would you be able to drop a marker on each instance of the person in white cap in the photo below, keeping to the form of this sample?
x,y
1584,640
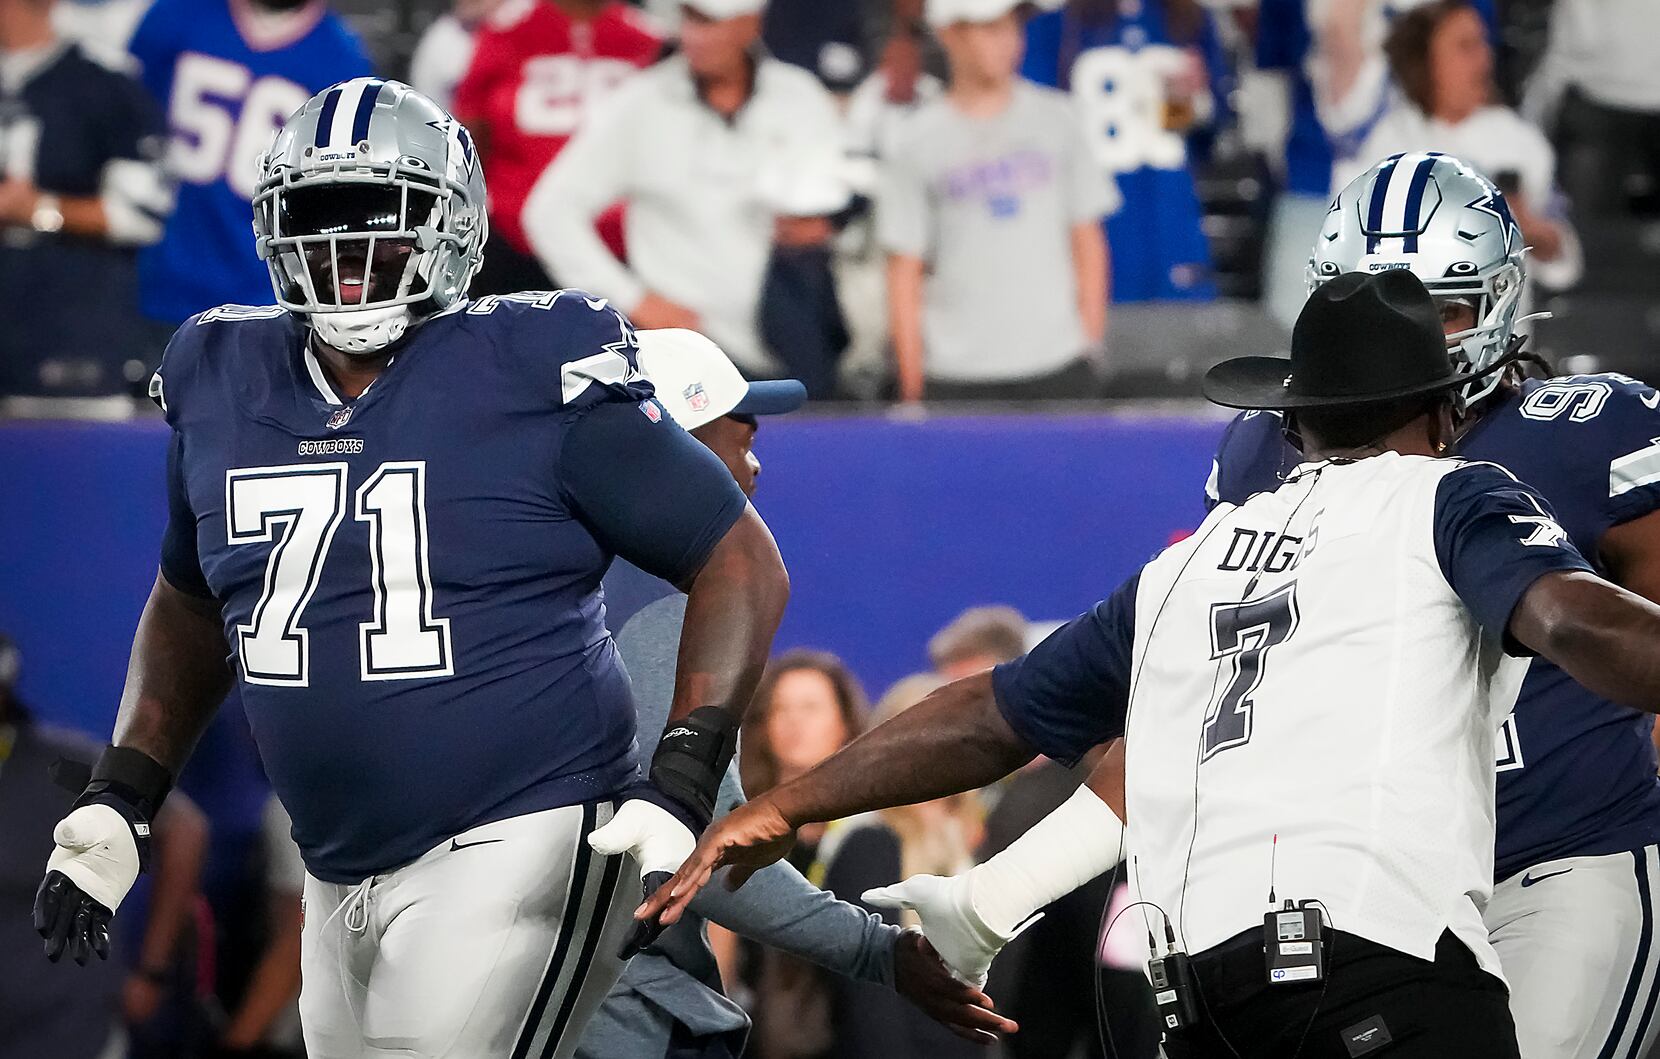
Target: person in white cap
x,y
990,211
721,153
669,1000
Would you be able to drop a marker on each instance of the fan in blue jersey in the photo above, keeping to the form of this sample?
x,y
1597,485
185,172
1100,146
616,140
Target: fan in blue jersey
x,y
1143,74
227,72
392,508
1573,911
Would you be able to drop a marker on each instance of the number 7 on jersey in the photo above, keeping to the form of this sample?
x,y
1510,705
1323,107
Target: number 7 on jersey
x,y
1244,633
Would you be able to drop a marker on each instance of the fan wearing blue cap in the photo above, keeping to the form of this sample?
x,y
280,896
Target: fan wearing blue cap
x,y
671,991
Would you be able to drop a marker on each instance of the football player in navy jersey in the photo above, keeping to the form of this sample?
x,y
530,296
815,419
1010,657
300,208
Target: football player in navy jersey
x,y
1576,868
392,507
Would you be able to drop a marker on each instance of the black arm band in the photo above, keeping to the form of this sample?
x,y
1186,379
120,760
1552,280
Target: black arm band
x,y
130,775
692,757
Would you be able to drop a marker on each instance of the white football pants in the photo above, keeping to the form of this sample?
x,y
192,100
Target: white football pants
x,y
497,944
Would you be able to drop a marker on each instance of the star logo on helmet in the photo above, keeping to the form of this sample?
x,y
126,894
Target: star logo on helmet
x,y
1494,205
463,142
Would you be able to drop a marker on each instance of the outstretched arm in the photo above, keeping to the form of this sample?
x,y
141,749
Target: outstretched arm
x,y
1068,695
175,680
971,916
957,730
1605,637
781,909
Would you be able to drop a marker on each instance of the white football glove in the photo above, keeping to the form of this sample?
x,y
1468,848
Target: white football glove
x,y
647,832
88,875
97,851
949,922
659,844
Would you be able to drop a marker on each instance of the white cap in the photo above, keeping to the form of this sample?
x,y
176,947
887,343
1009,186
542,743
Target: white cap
x,y
945,12
698,383
724,9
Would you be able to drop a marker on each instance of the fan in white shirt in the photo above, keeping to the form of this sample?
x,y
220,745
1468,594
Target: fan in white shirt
x,y
1443,67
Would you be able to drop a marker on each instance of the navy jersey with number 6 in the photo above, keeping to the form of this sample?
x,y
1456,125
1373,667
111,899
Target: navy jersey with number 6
x,y
410,581
1576,773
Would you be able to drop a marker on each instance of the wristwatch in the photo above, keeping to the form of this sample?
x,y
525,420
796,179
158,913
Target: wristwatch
x,y
48,215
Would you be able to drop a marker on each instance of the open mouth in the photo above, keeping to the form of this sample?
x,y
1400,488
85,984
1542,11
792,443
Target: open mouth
x,y
347,276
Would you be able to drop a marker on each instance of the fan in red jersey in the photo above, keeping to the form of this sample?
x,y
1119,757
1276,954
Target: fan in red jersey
x,y
540,68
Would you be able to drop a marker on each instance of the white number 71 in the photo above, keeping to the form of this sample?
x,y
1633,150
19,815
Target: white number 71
x,y
299,507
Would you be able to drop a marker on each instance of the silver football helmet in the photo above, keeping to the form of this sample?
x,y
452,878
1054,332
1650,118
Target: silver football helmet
x,y
369,212
1451,227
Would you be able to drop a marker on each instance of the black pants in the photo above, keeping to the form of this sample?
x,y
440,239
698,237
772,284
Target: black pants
x,y
1448,1009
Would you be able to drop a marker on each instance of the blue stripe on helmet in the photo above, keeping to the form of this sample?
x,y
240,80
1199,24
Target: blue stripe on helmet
x,y
1412,223
365,107
1374,210
325,118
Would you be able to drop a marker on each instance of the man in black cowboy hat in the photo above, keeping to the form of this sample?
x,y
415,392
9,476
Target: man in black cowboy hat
x,y
1308,687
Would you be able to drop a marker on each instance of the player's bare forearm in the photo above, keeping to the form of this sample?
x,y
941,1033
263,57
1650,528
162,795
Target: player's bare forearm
x,y
176,676
1605,637
952,741
733,607
1106,779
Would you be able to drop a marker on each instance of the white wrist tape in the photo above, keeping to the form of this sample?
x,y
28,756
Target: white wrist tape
x,y
1072,845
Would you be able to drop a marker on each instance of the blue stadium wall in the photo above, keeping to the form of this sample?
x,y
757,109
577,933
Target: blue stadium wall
x,y
890,526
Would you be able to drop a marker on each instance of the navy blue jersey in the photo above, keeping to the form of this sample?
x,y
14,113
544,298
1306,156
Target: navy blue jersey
x,y
1576,773
410,582
68,128
226,93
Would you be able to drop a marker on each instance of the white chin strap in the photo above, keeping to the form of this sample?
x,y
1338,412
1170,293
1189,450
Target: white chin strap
x,y
361,332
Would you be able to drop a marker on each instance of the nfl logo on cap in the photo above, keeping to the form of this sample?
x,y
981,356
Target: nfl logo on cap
x,y
696,399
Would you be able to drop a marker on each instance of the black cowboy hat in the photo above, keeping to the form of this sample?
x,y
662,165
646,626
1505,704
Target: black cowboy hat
x,y
1362,338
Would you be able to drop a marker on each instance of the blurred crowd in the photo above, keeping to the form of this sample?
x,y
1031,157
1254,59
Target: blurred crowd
x,y
888,199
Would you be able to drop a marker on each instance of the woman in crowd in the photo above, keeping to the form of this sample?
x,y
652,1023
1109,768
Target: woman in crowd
x,y
1442,64
809,706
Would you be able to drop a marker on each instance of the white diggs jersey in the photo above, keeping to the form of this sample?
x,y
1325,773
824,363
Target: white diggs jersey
x,y
1324,663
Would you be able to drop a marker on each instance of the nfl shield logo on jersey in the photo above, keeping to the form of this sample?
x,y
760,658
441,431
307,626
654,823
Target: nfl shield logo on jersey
x,y
651,410
696,399
340,418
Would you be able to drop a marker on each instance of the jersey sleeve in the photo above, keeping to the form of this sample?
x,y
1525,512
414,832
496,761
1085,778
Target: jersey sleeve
x,y
1494,537
576,346
1070,693
648,490
181,564
1630,425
